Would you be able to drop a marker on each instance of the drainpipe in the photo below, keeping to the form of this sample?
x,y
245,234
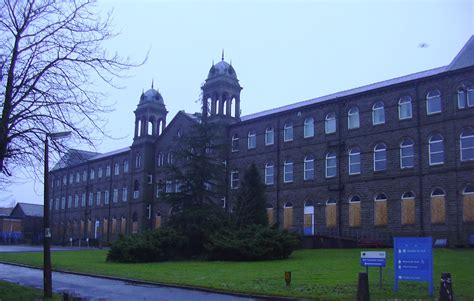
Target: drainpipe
x,y
277,139
339,184
420,166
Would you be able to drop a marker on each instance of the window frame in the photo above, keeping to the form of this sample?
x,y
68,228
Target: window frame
x,y
288,171
331,155
352,156
353,118
402,103
431,98
234,179
412,145
330,120
375,160
288,131
378,110
235,143
251,139
308,127
431,152
269,166
309,159
269,133
461,140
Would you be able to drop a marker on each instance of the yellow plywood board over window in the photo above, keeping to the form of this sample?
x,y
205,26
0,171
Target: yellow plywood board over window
x,y
408,212
331,215
354,214
106,225
438,210
468,208
135,227
270,216
380,213
287,217
123,225
157,221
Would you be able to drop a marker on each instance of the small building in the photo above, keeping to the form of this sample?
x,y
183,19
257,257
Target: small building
x,y
10,228
30,218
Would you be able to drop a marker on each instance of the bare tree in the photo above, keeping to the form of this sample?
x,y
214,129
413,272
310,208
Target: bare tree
x,y
51,59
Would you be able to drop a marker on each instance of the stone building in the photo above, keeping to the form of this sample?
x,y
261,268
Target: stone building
x,y
387,159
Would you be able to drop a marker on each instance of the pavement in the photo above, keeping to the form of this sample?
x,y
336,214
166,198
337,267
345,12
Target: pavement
x,y
95,288
39,248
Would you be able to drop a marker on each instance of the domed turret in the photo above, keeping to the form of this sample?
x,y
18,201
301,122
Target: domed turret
x,y
150,115
151,95
221,92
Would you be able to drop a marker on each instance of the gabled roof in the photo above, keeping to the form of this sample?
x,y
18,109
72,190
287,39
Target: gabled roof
x,y
465,58
29,209
5,211
74,157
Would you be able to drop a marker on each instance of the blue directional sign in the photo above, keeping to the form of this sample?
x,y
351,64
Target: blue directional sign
x,y
413,260
372,258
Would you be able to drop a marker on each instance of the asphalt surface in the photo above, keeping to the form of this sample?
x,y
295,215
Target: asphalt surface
x,y
93,288
39,248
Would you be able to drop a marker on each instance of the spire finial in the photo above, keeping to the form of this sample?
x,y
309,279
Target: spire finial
x,y
212,62
222,53
152,83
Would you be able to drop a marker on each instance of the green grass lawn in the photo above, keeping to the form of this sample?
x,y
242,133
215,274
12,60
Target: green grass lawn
x,y
14,292
325,274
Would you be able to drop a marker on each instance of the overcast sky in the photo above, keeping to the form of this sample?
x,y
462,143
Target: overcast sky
x,y
283,52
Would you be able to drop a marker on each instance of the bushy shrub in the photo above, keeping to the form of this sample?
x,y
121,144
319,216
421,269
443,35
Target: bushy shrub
x,y
254,242
150,246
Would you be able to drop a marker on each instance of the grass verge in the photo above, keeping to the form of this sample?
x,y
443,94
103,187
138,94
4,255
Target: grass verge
x,y
323,274
14,292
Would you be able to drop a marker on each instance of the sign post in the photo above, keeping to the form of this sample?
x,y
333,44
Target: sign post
x,y
413,260
373,259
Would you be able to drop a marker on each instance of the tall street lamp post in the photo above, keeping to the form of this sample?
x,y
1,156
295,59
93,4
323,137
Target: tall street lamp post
x,y
47,283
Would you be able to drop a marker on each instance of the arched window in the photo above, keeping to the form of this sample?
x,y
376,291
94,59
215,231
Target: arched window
x,y
269,208
138,160
331,213
468,203
269,173
235,143
158,220
308,167
408,208
354,211
288,171
134,223
436,149
269,136
308,127
308,218
123,225
353,121
407,154
465,98
378,113
438,206
380,157
234,179
354,161
287,215
331,165
380,210
125,166
433,102
136,191
116,169
404,108
467,145
330,123
288,131
251,139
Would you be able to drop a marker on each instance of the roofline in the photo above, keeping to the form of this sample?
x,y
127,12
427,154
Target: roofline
x,y
282,110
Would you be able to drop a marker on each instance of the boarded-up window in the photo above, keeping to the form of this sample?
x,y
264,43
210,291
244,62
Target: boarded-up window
x,y
380,210
270,214
123,225
158,220
89,227
331,217
438,206
134,223
75,228
468,204
408,208
105,226
114,225
354,212
288,216
11,225
82,228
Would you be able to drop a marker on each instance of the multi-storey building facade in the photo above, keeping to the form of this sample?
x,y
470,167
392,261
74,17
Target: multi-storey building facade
x,y
391,158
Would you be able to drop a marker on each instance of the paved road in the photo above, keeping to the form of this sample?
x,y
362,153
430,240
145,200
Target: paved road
x,y
94,288
26,248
